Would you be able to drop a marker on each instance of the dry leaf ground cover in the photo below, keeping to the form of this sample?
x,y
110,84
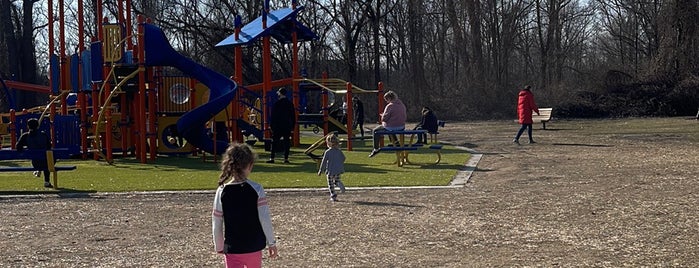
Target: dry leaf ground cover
x,y
591,193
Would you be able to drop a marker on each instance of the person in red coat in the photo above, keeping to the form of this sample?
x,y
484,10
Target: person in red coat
x,y
525,106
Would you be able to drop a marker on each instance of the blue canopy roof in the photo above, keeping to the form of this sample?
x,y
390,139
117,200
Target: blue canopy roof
x,y
280,24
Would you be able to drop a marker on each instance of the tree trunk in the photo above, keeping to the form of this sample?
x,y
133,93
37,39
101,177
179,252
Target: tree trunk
x,y
27,55
417,53
8,42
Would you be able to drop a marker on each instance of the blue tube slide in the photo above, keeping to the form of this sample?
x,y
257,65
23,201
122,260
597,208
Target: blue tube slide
x,y
191,125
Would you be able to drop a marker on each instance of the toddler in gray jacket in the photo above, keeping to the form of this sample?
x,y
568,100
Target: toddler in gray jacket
x,y
334,164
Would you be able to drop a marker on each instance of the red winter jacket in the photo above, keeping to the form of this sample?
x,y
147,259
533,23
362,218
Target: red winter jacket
x,y
525,106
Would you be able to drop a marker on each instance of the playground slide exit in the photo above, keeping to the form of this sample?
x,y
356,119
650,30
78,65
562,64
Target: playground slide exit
x,y
191,125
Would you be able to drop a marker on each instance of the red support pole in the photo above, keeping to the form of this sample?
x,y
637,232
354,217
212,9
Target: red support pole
x,y
238,78
295,84
325,106
98,21
52,115
64,66
13,128
381,101
381,106
233,133
108,135
152,126
95,112
81,28
51,41
123,128
129,27
266,83
141,97
82,99
193,101
120,13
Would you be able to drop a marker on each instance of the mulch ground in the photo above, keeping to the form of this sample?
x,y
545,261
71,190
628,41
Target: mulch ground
x,y
589,193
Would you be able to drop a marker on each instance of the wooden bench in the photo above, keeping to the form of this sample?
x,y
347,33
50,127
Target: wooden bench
x,y
402,148
37,155
543,117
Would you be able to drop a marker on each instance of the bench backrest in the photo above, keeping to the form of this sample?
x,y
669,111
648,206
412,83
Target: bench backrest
x,y
58,153
544,113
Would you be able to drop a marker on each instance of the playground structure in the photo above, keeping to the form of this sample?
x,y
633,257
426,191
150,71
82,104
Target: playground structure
x,y
116,98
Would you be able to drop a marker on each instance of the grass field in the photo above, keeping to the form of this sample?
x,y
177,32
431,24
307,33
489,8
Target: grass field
x,y
194,173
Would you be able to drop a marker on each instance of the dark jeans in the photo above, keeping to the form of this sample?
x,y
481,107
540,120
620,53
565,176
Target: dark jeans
x,y
360,123
421,138
283,140
377,137
521,130
44,167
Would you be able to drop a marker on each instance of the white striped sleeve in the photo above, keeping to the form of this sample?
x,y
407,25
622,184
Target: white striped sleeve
x,y
264,214
217,221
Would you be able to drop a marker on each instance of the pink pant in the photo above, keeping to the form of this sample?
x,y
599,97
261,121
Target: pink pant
x,y
245,260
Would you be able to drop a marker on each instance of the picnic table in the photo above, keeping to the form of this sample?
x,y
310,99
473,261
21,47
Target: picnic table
x,y
402,148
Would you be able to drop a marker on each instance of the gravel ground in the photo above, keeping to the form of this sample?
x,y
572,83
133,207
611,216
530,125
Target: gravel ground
x,y
600,193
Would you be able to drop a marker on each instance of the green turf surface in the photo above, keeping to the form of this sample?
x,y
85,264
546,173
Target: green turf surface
x,y
195,173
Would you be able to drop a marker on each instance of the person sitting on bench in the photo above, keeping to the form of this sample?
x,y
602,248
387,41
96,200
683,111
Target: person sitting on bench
x,y
392,119
36,140
428,122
